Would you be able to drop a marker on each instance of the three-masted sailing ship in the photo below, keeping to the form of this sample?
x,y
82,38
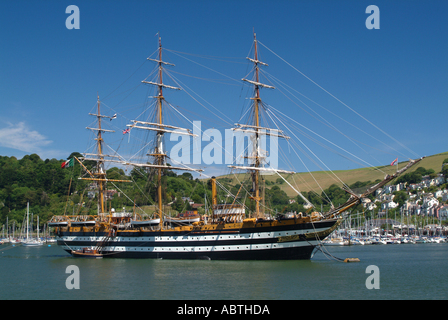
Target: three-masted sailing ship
x,y
232,232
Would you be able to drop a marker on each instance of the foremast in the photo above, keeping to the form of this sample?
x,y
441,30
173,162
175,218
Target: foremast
x,y
99,175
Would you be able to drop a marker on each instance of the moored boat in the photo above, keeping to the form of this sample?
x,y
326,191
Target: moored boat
x,y
28,241
86,253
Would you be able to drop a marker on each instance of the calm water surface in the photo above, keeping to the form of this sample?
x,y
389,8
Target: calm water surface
x,y
406,272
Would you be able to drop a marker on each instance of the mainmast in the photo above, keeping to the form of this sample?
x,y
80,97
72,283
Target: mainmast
x,y
256,174
159,154
257,130
161,128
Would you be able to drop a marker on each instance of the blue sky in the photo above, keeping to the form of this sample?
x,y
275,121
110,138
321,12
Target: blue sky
x,y
396,76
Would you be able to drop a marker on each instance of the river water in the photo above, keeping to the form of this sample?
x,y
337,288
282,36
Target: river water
x,y
406,271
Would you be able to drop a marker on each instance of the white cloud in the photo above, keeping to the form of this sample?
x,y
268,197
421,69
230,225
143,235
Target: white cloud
x,y
21,137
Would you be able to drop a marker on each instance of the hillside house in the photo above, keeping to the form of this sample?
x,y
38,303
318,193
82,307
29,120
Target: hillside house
x,y
427,181
430,202
388,205
442,212
412,207
439,193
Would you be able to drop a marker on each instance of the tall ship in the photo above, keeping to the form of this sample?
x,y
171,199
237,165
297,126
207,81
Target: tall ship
x,y
229,231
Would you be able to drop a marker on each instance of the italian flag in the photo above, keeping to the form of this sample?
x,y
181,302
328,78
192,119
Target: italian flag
x,y
68,163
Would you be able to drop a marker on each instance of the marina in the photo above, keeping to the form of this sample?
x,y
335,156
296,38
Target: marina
x,y
356,230
406,272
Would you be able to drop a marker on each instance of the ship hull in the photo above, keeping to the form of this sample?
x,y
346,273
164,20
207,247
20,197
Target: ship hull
x,y
279,242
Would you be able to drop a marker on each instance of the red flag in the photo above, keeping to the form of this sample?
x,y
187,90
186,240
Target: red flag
x,y
126,131
394,162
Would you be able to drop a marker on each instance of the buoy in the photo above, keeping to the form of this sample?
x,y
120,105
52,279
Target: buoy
x,y
351,260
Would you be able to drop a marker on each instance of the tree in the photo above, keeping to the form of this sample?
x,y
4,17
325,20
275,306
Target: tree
x,y
277,196
400,197
187,176
177,204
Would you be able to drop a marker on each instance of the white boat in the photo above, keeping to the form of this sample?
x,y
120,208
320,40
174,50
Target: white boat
x,y
356,241
30,242
88,223
378,241
420,240
335,242
58,224
438,240
185,220
145,223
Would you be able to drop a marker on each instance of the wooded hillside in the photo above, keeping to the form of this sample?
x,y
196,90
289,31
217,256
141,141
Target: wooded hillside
x,y
45,185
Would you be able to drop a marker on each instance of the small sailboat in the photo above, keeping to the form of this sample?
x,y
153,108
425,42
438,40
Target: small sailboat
x,y
31,242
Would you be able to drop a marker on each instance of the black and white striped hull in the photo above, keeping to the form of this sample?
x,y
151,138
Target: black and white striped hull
x,y
264,243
